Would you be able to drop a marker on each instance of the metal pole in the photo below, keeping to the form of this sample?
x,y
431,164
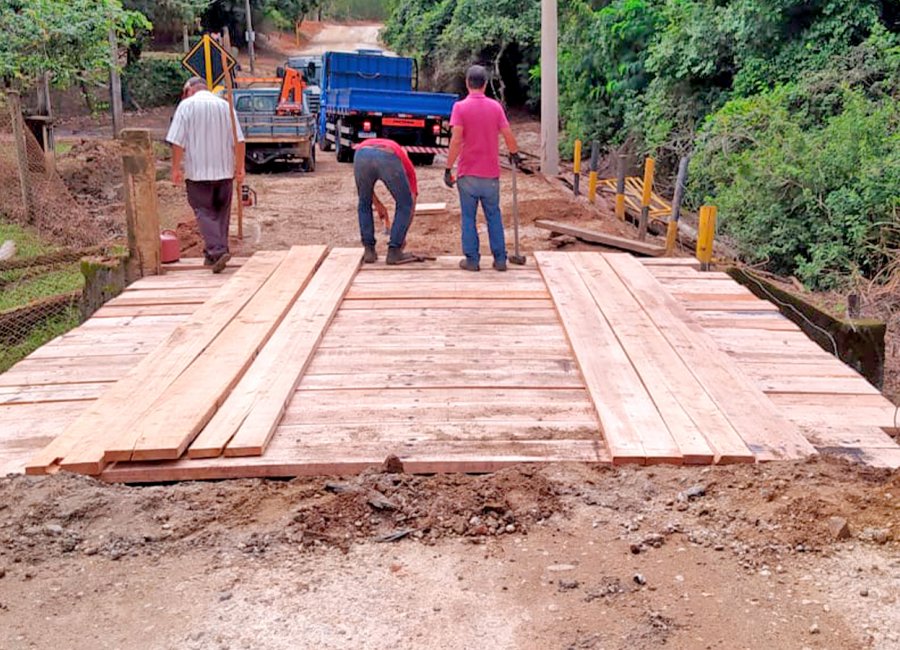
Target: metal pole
x,y
549,90
115,85
251,37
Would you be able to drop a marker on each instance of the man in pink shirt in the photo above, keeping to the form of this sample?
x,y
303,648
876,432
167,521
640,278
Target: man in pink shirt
x,y
477,122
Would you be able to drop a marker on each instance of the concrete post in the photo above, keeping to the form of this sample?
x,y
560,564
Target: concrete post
x,y
141,207
549,90
680,180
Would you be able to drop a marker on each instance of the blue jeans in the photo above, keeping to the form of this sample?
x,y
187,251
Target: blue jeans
x,y
371,165
473,189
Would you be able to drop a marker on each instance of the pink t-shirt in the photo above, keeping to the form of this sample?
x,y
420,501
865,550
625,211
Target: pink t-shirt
x,y
481,118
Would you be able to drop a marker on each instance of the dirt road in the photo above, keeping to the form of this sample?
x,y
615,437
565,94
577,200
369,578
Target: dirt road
x,y
343,38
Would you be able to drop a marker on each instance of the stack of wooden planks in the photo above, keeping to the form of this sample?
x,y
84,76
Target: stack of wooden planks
x,y
298,362
660,209
157,409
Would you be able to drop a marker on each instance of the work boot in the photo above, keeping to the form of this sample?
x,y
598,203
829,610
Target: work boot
x,y
221,261
399,256
467,265
499,265
370,256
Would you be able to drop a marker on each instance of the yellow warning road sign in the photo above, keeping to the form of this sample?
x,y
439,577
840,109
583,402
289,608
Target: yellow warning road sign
x,y
205,61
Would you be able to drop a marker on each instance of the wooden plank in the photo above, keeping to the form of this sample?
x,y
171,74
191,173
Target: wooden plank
x,y
69,371
324,433
838,410
113,311
249,417
767,433
427,317
288,457
671,261
874,457
721,303
196,264
164,433
842,436
86,436
471,303
632,426
427,209
701,431
461,405
479,280
499,290
642,248
10,395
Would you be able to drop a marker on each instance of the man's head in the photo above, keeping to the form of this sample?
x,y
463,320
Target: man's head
x,y
191,86
476,78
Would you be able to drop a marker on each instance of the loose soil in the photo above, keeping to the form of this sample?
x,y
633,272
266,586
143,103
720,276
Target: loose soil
x,y
558,556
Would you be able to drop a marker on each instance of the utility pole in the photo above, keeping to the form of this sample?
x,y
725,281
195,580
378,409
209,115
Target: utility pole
x,y
115,84
549,90
251,38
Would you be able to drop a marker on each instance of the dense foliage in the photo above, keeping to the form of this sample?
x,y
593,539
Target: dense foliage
x,y
789,107
153,81
67,38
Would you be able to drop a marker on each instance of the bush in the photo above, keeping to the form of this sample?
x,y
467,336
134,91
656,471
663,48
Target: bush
x,y
151,82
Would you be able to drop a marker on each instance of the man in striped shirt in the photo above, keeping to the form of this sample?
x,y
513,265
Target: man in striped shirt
x,y
202,140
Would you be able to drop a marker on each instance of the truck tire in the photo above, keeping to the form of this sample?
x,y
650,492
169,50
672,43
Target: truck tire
x,y
324,144
309,164
423,159
343,152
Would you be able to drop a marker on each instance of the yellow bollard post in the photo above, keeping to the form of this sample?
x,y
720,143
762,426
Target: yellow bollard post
x,y
706,234
649,166
592,178
620,186
576,162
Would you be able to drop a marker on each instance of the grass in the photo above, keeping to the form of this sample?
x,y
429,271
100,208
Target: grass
x,y
20,287
22,290
63,148
28,243
40,334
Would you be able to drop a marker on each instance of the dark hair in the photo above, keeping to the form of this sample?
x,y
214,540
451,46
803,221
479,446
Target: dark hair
x,y
476,77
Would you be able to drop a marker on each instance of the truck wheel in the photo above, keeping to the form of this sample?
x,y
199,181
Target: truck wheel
x,y
344,152
423,159
324,144
309,164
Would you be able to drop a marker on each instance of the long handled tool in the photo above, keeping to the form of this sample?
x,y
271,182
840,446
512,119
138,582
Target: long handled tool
x,y
517,257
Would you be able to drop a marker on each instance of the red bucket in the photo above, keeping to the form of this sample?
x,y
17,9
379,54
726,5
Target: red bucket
x,y
169,247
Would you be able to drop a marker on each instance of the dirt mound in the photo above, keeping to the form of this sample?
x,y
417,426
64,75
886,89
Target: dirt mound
x,y
191,241
92,172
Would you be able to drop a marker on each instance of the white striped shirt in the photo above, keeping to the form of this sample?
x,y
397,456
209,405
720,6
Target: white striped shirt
x,y
202,128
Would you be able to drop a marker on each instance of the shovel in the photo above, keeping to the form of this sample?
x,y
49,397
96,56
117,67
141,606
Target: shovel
x,y
517,257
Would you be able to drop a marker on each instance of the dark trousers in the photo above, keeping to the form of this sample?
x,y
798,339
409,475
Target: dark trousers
x,y
211,202
371,165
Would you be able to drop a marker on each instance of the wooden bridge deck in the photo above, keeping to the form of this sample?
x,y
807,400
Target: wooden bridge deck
x,y
296,363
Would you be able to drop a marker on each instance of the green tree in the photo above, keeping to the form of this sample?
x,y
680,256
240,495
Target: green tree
x,y
66,38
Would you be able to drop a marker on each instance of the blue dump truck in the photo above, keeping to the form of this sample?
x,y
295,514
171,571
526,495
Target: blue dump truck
x,y
369,95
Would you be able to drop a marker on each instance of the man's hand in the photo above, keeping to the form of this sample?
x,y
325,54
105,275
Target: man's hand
x,y
239,175
515,159
449,181
177,175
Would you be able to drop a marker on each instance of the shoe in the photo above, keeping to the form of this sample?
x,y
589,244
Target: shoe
x,y
370,256
466,265
399,256
207,260
499,265
220,263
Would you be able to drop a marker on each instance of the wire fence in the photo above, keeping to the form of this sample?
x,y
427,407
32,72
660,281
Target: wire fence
x,y
44,233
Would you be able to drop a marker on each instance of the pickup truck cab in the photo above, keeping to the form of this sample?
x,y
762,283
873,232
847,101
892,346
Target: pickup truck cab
x,y
271,137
